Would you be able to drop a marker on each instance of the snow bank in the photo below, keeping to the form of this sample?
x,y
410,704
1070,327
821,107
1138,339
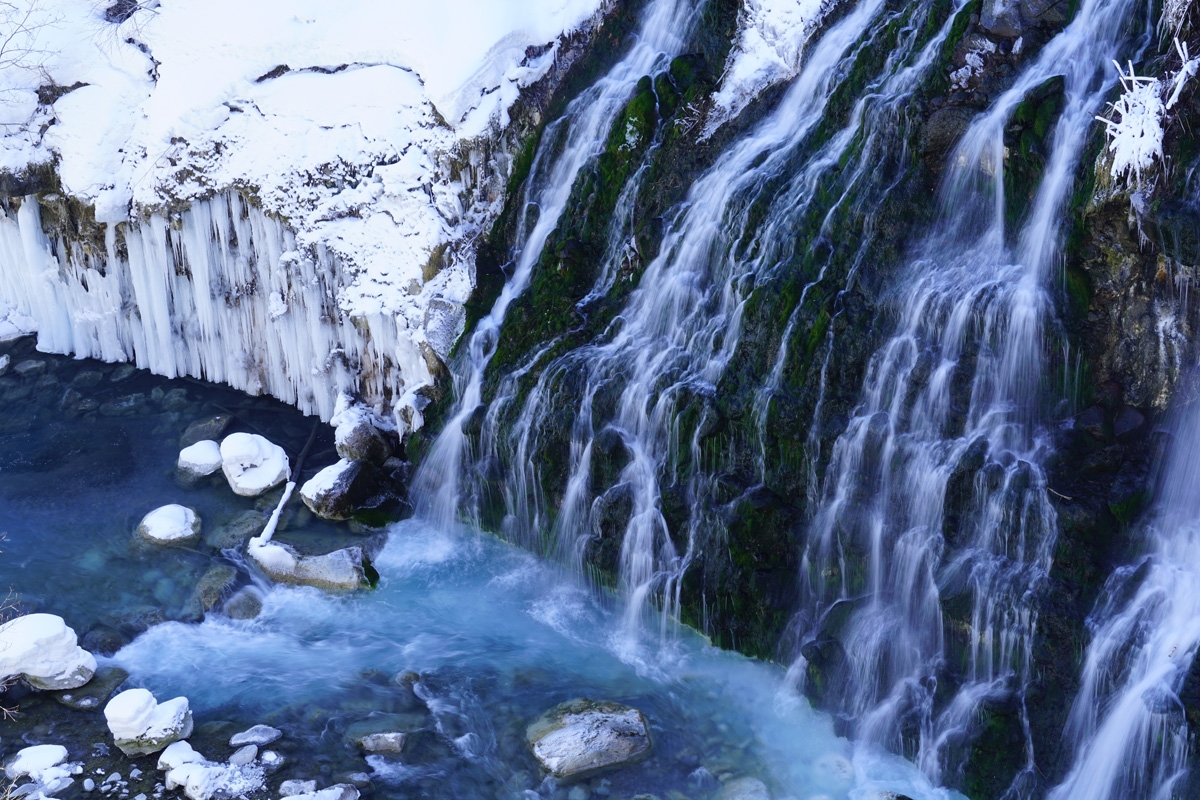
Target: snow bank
x,y
171,524
768,49
362,130
44,651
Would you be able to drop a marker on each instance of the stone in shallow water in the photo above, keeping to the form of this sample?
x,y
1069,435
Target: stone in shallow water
x,y
34,761
252,464
744,789
141,725
235,532
259,735
30,368
391,743
340,489
244,604
210,428
87,378
96,692
339,570
581,738
43,651
172,524
212,587
341,791
122,373
295,787
244,755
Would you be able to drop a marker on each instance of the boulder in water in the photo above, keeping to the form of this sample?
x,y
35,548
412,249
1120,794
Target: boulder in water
x,y
170,525
44,652
581,738
340,570
200,459
244,604
259,735
252,464
236,531
295,787
355,435
340,489
210,428
141,725
34,761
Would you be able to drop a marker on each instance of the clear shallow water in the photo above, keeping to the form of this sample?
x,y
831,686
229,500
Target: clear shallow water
x,y
495,635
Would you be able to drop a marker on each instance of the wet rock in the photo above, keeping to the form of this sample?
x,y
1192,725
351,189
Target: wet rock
x,y
271,761
581,738
30,368
252,464
200,459
122,373
141,725
259,735
44,652
170,525
744,789
235,532
1128,421
93,695
210,428
175,400
339,490
244,604
390,743
126,406
341,791
244,755
87,379
296,787
213,585
1092,421
104,640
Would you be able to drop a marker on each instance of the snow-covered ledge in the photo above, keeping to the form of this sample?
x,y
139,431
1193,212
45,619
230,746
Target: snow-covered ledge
x,y
283,196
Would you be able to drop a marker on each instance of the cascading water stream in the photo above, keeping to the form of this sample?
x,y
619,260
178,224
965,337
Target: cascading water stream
x,y
955,402
679,329
569,144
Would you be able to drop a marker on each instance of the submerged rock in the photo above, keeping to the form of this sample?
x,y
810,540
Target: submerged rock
x,y
210,428
296,787
340,489
744,789
581,738
235,532
141,725
252,464
244,604
171,525
96,692
211,588
44,652
389,743
200,459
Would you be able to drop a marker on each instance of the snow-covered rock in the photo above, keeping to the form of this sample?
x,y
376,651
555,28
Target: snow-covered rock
x,y
141,725
172,524
33,761
44,652
296,787
204,780
252,464
339,570
582,737
200,459
177,754
340,489
357,435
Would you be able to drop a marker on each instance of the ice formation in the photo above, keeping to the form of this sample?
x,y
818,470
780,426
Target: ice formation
x,y
370,138
44,651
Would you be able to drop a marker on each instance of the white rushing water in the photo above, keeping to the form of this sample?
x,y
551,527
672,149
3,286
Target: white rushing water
x,y
568,144
959,387
1127,723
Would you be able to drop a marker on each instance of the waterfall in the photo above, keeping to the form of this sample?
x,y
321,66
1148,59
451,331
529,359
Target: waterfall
x,y
679,329
954,410
569,144
219,291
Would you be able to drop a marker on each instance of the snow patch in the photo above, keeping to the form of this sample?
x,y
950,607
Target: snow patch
x,y
170,524
252,464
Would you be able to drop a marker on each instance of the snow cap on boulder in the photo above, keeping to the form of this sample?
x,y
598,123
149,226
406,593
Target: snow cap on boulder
x,y
340,489
200,459
339,570
171,524
44,652
141,725
252,464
